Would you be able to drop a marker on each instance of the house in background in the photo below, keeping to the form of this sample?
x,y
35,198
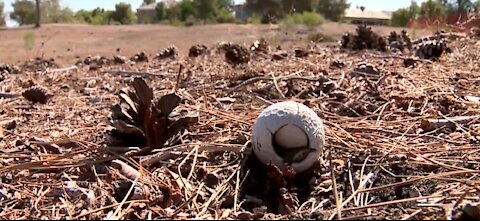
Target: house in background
x,y
361,15
147,14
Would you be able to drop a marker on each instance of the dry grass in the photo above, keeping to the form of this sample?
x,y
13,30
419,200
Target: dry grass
x,y
55,162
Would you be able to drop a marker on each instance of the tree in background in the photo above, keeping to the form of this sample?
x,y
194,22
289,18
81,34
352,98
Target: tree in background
x,y
299,5
53,12
187,10
477,6
462,6
161,11
38,14
268,9
211,10
402,16
23,12
431,8
123,13
2,17
148,2
332,9
224,11
206,9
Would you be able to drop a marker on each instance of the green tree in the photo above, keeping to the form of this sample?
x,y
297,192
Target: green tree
x,y
213,9
148,2
402,16
53,12
206,9
23,12
186,9
268,9
123,13
83,16
2,17
332,9
432,8
97,16
299,5
160,11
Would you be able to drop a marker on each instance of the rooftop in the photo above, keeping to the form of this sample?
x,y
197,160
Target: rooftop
x,y
358,13
151,6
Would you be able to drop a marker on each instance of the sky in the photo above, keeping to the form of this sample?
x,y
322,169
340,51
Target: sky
x,y
75,5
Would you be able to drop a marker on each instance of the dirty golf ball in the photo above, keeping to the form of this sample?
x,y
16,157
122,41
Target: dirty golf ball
x,y
288,133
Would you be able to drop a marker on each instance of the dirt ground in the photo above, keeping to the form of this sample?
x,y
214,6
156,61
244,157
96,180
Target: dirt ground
x,y
65,43
171,137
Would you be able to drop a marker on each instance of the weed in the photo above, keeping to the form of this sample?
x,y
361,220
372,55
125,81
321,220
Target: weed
x,y
29,41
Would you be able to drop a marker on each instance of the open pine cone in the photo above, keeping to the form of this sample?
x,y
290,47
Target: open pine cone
x,y
36,94
236,54
141,121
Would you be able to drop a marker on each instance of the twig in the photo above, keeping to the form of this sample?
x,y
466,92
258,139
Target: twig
x,y
9,95
410,216
386,203
179,78
335,194
276,85
136,73
71,68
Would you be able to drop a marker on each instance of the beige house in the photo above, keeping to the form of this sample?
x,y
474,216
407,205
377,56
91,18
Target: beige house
x,y
369,17
147,14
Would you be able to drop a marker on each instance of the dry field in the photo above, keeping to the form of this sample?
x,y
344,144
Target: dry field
x,y
67,43
395,147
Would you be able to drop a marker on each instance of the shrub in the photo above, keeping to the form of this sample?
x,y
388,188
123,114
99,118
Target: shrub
x,y
29,40
309,19
255,19
224,16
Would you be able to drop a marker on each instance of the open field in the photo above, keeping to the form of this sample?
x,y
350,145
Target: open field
x,y
395,147
65,43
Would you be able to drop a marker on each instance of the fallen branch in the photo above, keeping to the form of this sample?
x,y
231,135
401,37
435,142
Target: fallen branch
x,y
9,95
137,73
451,123
62,69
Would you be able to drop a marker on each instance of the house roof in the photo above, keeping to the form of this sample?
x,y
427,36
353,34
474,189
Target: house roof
x,y
358,13
151,6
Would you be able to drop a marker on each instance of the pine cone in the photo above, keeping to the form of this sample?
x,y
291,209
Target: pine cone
x,y
260,46
364,38
36,94
432,49
170,52
139,120
197,50
237,54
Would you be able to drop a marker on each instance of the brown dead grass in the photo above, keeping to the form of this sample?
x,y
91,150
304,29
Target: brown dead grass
x,y
55,163
65,42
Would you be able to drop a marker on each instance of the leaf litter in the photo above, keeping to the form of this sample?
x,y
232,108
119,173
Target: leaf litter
x,y
161,138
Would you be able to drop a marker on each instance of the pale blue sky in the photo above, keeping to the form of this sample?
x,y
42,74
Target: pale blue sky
x,y
389,5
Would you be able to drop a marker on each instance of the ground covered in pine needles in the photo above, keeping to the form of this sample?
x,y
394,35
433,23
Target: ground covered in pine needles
x,y
168,136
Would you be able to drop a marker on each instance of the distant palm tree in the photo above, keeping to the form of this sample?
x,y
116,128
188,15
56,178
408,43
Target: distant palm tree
x,y
37,22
